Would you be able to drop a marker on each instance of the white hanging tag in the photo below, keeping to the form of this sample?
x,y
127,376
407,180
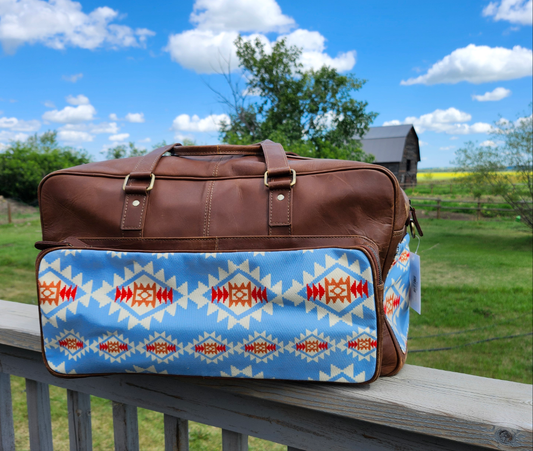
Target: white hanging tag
x,y
415,299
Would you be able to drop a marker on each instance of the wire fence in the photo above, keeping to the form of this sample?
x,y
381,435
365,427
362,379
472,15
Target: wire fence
x,y
13,212
478,208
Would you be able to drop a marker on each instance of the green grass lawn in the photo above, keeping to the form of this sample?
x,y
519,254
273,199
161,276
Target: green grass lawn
x,y
475,275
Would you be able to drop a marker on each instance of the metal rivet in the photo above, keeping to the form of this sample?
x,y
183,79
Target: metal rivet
x,y
281,197
135,203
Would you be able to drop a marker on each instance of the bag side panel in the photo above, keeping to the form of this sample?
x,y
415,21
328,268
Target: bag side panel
x,y
396,305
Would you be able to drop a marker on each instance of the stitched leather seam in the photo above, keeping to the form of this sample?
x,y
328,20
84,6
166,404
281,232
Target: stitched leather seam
x,y
142,212
209,199
125,210
269,212
255,237
289,210
210,186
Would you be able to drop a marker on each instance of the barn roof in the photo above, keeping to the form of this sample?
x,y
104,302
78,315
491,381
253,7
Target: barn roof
x,y
387,143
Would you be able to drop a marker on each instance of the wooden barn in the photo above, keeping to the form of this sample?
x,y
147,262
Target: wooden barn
x,y
395,147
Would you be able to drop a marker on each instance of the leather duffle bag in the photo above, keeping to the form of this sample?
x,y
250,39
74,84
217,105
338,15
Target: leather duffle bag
x,y
224,261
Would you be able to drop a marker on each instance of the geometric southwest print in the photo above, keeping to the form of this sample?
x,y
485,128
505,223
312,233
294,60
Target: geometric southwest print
x,y
396,294
295,314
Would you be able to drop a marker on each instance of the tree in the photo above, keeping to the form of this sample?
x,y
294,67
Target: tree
x,y
121,151
506,167
23,164
311,112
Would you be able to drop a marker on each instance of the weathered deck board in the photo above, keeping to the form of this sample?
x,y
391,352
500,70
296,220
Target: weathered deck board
x,y
39,417
181,397
176,434
126,427
468,409
233,441
7,431
79,421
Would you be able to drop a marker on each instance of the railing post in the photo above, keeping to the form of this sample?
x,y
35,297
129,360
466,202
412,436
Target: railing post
x,y
176,434
479,211
233,441
39,417
79,421
126,428
438,208
9,219
7,430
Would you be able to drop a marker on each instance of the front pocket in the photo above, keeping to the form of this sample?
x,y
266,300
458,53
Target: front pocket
x,y
307,314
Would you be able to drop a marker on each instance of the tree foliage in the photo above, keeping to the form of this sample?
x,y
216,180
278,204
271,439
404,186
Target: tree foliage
x,y
505,168
123,151
311,112
24,163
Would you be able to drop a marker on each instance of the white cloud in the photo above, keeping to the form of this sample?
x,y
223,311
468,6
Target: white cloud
x,y
113,117
209,48
203,50
478,64
119,137
493,96
72,78
240,15
447,148
422,143
514,11
49,104
74,137
451,121
105,127
145,140
135,117
6,135
78,100
313,47
18,125
71,115
488,143
186,123
453,138
62,23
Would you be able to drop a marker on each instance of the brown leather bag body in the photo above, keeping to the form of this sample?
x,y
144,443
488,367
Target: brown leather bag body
x,y
216,199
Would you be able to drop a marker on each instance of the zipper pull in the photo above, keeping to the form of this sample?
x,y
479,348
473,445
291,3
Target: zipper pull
x,y
414,221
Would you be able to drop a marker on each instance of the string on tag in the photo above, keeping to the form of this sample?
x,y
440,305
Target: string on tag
x,y
418,245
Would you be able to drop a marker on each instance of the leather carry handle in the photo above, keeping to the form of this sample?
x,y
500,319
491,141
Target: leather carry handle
x,y
279,178
275,159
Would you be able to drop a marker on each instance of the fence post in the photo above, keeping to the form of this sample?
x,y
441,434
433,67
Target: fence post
x,y
438,208
9,213
479,211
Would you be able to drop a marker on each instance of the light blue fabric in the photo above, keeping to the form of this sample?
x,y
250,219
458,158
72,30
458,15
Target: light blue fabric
x,y
396,294
303,314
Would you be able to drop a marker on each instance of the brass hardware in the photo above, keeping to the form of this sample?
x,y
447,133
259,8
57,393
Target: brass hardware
x,y
150,186
293,181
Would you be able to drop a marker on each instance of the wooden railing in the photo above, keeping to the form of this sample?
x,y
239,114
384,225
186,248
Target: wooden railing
x,y
419,409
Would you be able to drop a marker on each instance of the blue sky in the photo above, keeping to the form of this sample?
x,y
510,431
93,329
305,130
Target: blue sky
x,y
106,72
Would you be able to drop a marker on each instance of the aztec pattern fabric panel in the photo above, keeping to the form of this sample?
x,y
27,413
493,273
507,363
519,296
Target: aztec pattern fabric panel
x,y
300,314
396,293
